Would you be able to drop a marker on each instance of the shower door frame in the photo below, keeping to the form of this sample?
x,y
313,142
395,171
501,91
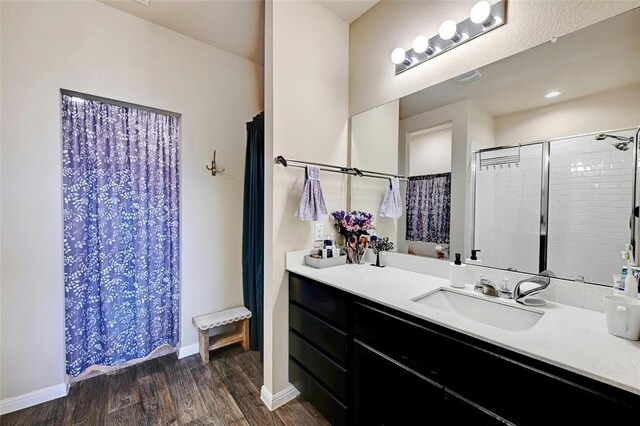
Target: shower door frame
x,y
544,193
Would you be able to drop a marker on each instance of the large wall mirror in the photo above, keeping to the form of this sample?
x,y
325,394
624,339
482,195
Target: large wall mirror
x,y
532,159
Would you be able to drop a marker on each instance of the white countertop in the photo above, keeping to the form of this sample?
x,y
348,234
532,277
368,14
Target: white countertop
x,y
572,338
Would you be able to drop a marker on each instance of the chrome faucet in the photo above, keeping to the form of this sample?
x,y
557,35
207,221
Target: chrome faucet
x,y
542,280
486,286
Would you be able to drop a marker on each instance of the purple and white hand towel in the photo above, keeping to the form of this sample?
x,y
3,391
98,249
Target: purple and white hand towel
x,y
312,205
392,204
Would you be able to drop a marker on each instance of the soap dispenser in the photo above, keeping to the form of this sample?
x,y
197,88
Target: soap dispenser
x,y
473,260
457,273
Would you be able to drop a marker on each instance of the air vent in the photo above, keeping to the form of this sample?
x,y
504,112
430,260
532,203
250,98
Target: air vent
x,y
143,2
469,77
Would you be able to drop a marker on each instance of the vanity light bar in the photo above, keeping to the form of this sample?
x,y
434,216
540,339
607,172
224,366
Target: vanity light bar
x,y
484,17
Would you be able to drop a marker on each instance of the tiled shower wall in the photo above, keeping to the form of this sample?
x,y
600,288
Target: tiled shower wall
x,y
590,190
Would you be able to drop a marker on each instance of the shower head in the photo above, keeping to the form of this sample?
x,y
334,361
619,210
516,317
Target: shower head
x,y
623,145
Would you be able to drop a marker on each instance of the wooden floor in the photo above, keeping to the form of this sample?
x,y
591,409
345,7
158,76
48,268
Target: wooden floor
x,y
168,391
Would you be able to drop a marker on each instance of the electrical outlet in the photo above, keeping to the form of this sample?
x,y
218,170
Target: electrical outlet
x,y
318,232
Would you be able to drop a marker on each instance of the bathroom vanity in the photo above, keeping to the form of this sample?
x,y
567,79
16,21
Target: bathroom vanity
x,y
363,350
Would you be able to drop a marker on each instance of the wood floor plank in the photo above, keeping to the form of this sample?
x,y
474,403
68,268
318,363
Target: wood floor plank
x,y
248,399
168,391
293,413
318,419
221,407
91,407
156,401
48,412
148,367
51,412
129,415
222,361
184,393
123,389
247,364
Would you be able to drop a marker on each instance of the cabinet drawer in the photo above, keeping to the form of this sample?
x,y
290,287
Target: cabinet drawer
x,y
326,337
326,301
506,387
389,393
459,411
411,344
329,373
333,410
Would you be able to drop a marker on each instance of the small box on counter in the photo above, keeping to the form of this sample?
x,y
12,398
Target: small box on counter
x,y
320,263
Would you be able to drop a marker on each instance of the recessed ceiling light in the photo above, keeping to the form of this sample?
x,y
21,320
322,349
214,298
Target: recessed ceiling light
x,y
553,94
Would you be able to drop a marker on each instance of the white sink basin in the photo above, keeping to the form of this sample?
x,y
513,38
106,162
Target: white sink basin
x,y
493,313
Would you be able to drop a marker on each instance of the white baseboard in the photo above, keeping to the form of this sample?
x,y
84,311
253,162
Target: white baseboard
x,y
35,397
279,398
188,350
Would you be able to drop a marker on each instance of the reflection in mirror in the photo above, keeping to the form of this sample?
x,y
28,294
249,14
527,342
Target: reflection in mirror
x,y
507,204
532,185
426,230
374,146
590,200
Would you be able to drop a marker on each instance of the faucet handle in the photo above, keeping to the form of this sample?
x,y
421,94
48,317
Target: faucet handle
x,y
505,288
486,286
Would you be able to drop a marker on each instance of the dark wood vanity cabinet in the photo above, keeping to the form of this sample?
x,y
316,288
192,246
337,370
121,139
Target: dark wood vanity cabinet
x,y
319,346
359,362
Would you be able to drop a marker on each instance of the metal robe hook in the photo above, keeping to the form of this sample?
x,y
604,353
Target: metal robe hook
x,y
214,168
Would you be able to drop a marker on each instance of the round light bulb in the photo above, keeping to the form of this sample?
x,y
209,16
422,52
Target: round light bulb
x,y
420,44
448,29
480,12
398,55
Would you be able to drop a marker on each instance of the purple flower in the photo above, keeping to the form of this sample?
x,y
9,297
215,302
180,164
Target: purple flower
x,y
355,222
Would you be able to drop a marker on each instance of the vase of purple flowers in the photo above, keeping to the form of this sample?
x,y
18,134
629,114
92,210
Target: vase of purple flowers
x,y
354,226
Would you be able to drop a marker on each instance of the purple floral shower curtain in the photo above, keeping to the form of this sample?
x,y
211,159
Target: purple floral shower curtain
x,y
121,232
429,208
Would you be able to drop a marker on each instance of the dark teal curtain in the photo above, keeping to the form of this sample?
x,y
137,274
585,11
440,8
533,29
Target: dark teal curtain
x,y
253,229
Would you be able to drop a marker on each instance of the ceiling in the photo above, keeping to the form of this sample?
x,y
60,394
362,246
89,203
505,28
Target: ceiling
x,y
348,10
236,26
593,60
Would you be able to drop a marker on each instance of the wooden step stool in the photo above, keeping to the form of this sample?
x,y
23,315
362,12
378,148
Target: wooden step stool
x,y
206,322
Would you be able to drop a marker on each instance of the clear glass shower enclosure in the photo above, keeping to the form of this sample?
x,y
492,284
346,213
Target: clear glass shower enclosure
x,y
565,204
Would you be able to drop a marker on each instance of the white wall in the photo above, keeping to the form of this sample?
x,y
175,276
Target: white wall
x,y
374,146
430,151
615,109
90,47
390,24
306,95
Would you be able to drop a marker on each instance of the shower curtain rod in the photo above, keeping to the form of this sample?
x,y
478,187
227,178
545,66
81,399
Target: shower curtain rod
x,y
351,171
